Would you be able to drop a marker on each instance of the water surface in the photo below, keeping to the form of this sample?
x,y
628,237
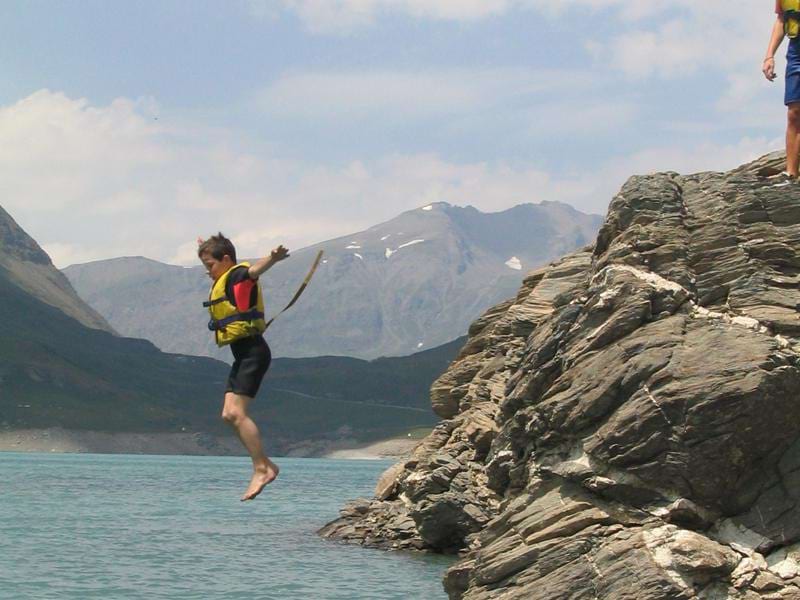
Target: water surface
x,y
79,526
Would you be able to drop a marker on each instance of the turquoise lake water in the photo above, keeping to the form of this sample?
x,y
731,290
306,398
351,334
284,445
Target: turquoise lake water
x,y
80,526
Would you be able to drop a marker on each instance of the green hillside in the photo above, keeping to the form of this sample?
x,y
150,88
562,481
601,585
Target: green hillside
x,y
56,372
62,366
403,381
375,399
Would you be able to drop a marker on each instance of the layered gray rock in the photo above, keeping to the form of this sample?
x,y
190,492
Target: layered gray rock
x,y
628,426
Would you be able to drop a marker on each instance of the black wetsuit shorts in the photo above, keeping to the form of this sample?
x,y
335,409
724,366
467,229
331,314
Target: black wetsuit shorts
x,y
251,358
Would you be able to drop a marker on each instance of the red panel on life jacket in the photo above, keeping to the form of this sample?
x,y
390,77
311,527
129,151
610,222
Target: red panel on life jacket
x,y
242,293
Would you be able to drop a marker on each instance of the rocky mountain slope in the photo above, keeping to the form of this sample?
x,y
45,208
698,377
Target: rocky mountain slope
x,y
29,267
412,283
627,426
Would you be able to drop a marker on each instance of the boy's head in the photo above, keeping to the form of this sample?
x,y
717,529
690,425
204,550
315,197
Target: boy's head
x,y
218,255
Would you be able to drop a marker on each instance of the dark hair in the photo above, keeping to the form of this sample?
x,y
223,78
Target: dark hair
x,y
217,246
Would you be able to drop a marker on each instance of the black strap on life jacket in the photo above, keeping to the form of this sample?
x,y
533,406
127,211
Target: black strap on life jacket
x,y
208,303
220,324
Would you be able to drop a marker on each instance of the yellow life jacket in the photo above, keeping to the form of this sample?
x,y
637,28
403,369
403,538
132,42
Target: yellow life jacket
x,y
227,322
791,17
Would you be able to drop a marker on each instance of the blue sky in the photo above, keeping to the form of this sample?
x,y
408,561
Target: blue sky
x,y
132,128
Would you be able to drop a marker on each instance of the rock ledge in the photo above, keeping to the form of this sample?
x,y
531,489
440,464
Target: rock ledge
x,y
628,426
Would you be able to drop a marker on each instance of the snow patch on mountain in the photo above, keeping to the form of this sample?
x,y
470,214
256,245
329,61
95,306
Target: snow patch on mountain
x,y
514,263
411,243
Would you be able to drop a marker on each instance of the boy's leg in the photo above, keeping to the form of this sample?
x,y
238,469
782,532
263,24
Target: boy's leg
x,y
793,139
234,412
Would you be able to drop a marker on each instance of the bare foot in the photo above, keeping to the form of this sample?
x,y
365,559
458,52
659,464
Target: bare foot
x,y
261,477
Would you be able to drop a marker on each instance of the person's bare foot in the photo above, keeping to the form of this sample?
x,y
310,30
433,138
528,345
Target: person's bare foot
x,y
261,477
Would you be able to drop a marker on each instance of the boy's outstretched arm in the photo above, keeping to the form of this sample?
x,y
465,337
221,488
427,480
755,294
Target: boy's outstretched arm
x,y
768,66
263,264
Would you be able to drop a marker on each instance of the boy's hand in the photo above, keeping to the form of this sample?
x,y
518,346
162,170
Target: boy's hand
x,y
278,254
768,68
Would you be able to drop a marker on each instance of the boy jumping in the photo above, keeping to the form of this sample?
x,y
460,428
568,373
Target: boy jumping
x,y
787,24
237,319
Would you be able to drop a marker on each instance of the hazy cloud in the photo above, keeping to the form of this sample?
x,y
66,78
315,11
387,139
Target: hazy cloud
x,y
668,38
346,16
91,182
527,104
354,94
690,36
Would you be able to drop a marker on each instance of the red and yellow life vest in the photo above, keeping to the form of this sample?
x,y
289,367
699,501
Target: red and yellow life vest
x,y
229,323
791,17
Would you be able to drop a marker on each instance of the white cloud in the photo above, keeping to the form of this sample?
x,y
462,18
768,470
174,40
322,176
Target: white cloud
x,y
135,188
706,156
332,16
712,39
453,10
65,254
80,132
670,50
667,40
185,254
691,36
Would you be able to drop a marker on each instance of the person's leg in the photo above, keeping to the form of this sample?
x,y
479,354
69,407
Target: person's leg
x,y
793,139
234,412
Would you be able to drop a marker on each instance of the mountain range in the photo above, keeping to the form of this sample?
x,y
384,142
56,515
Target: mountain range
x,y
62,366
412,283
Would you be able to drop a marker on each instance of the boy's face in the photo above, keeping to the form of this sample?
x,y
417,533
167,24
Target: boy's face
x,y
216,268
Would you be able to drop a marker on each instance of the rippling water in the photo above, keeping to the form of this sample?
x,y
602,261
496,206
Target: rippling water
x,y
78,526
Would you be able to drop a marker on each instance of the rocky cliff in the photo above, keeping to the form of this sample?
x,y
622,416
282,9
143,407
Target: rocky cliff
x,y
628,426
28,266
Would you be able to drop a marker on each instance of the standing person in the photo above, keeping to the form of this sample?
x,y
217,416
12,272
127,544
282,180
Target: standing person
x,y
787,24
237,319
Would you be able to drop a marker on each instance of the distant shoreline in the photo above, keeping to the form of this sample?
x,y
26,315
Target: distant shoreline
x,y
58,440
391,448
